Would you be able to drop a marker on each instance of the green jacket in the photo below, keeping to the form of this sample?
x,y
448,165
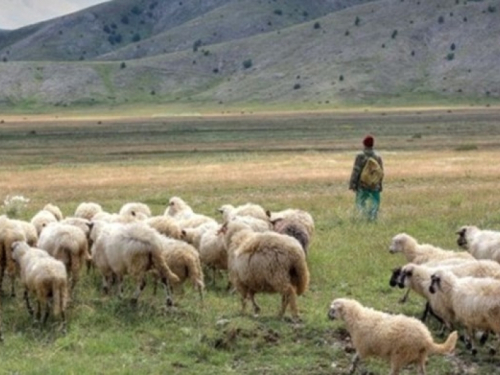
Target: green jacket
x,y
359,163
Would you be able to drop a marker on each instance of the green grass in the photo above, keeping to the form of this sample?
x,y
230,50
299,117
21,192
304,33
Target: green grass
x,y
427,194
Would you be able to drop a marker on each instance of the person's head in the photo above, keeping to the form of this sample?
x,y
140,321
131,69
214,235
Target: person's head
x,y
368,141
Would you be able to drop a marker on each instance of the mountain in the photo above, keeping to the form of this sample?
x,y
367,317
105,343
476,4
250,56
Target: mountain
x,y
320,52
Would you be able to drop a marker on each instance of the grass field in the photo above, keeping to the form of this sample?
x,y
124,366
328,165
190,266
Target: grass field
x,y
441,173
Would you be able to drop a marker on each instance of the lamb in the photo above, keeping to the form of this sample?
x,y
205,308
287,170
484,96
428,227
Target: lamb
x,y
399,339
56,211
87,210
295,215
422,253
9,233
135,209
133,249
228,211
482,244
265,262
474,301
43,276
67,243
184,261
41,219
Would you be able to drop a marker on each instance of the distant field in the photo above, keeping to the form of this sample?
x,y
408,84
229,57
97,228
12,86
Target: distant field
x,y
441,173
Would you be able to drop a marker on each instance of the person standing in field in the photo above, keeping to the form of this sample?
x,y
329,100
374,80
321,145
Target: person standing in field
x,y
366,179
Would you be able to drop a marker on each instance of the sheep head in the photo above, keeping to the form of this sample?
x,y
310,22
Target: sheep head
x,y
435,283
399,242
337,309
463,233
395,277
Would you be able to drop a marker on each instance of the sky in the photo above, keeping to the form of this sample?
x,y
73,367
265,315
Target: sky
x,y
18,13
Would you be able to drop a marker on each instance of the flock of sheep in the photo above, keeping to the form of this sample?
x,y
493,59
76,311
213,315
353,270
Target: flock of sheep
x,y
461,290
261,251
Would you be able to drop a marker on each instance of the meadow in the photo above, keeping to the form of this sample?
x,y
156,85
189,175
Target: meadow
x,y
442,172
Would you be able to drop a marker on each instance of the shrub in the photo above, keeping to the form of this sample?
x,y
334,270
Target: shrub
x,y
441,19
341,78
317,25
452,47
278,12
492,9
450,56
136,10
123,65
247,63
296,86
197,44
357,21
125,20
394,34
136,37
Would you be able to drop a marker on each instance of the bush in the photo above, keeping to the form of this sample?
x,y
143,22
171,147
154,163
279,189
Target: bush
x,y
296,86
452,47
136,10
197,44
317,25
123,65
357,21
247,64
394,34
450,56
278,12
125,20
441,19
136,37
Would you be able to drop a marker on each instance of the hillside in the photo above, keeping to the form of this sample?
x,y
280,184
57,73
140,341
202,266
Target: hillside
x,y
323,53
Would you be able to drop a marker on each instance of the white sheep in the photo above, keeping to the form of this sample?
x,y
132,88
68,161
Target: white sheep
x,y
475,302
265,262
482,244
193,235
138,209
133,249
87,210
422,253
43,276
67,243
229,211
9,233
178,209
165,225
29,231
398,339
56,211
41,219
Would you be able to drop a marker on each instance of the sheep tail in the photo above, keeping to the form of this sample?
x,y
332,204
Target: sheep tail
x,y
161,265
299,275
447,347
194,270
60,296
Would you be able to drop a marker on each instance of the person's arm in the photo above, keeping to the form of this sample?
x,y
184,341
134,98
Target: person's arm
x,y
356,171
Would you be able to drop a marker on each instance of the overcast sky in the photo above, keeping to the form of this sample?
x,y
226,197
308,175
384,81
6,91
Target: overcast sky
x,y
18,13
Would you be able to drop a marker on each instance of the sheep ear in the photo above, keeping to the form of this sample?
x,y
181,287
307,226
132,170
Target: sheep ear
x,y
268,213
183,232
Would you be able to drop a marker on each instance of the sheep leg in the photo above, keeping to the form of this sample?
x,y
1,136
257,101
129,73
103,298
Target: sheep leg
x,y
168,292
354,363
27,300
140,287
13,285
289,298
405,297
46,314
256,308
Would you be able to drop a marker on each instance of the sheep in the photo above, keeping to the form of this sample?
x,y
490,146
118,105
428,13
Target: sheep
x,y
399,339
135,209
178,209
134,248
422,253
29,230
474,302
41,219
56,211
165,225
87,210
295,215
193,235
481,244
43,276
265,262
67,243
184,261
9,233
228,211
293,229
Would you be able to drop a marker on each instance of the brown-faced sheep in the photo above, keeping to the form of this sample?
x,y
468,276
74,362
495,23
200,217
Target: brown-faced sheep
x,y
9,233
41,219
422,253
87,210
228,211
184,261
265,262
482,244
475,302
43,276
67,243
398,339
293,229
133,249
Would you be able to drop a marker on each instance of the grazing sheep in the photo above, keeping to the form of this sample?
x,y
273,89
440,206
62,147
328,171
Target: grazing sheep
x,y
29,231
265,262
422,253
87,210
399,339
67,243
475,302
41,219
133,249
293,229
295,215
184,261
195,220
165,225
140,210
178,209
228,211
9,233
56,211
482,244
43,276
